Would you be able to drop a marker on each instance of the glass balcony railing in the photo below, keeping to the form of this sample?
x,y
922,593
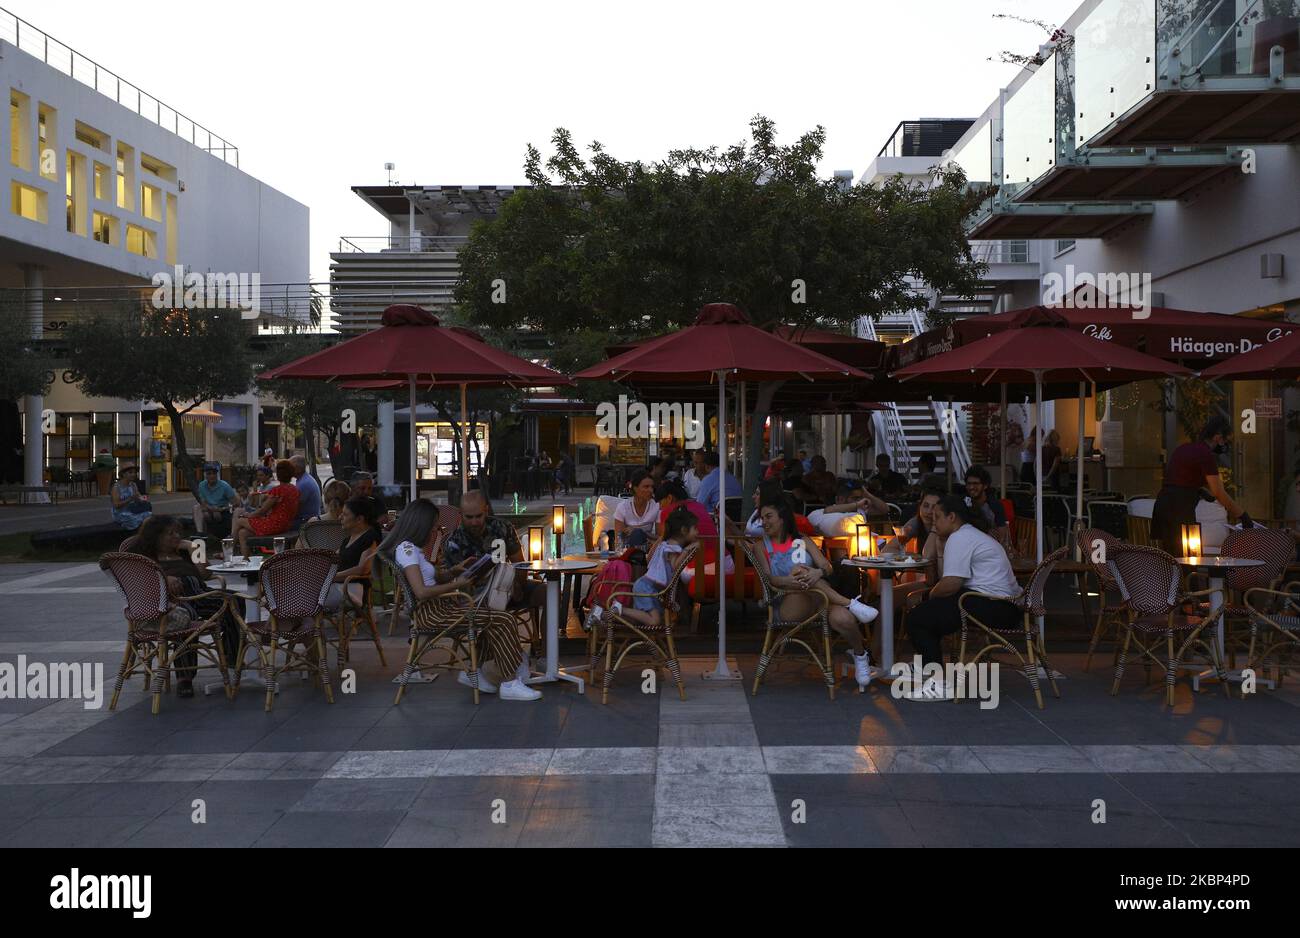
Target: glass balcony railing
x,y
1225,38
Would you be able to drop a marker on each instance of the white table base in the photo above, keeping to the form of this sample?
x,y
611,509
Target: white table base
x,y
1208,674
554,673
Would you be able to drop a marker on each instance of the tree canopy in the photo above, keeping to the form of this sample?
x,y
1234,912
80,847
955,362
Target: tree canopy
x,y
26,366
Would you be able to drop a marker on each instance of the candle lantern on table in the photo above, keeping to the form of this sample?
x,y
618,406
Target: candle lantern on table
x,y
535,535
1191,538
557,528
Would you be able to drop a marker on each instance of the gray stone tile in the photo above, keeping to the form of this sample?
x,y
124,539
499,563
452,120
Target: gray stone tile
x,y
600,794
973,826
711,761
726,710
528,762
401,764
331,829
399,738
25,801
723,791
1260,759
227,830
224,799
1151,758
823,825
169,768
42,770
120,799
80,832
370,794
454,827
627,826
705,735
1034,759
817,760
613,761
736,826
21,744
476,794
910,759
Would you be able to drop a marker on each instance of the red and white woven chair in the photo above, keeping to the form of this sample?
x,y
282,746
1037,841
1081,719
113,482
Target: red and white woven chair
x,y
1109,615
1149,580
1274,629
294,585
151,646
1032,604
1276,548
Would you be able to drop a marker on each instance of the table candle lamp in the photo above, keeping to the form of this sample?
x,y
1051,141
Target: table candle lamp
x,y
557,527
1191,535
865,542
535,543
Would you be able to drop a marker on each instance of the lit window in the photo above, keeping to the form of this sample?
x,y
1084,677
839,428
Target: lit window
x,y
101,177
27,202
141,241
105,228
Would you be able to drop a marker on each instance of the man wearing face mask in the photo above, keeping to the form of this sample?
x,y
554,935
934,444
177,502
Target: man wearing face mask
x,y
1192,467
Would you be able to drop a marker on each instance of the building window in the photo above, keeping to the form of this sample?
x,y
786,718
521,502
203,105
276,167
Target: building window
x,y
125,177
75,171
156,167
101,182
91,137
104,228
20,140
141,241
150,202
28,203
47,133
1063,246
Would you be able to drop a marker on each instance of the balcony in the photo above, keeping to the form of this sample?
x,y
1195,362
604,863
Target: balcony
x,y
1189,72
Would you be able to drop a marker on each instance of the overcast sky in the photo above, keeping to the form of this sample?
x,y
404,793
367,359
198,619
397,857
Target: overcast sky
x,y
318,96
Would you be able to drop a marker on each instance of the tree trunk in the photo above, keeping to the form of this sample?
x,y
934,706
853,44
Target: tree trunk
x,y
309,431
753,448
182,456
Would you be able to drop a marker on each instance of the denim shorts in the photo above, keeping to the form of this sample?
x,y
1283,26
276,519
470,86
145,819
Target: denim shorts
x,y
647,603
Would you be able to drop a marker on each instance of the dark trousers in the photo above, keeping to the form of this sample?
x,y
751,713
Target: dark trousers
x,y
929,622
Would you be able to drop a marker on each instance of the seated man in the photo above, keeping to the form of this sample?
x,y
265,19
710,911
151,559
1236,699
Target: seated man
x,y
819,485
363,486
309,494
717,485
478,535
891,483
216,500
928,466
978,482
972,562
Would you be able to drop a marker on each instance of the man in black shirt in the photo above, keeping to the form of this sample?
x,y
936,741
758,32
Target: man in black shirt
x,y
891,482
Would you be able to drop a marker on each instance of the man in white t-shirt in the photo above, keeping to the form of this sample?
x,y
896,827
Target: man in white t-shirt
x,y
973,562
695,475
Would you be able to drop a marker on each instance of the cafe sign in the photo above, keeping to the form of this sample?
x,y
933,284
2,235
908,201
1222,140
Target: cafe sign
x,y
1268,408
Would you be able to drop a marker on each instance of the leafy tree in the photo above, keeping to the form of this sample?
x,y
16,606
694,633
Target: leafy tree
x,y
176,357
615,249
26,366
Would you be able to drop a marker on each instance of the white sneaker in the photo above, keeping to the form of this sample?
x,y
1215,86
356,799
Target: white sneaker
x,y
862,612
862,668
518,690
616,607
593,618
932,690
484,685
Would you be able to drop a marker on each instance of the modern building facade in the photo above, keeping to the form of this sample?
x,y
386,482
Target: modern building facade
x,y
105,186
1155,147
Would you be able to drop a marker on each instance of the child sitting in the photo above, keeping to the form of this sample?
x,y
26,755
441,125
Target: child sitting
x,y
681,530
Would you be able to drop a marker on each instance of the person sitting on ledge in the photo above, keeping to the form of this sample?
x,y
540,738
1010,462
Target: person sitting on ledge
x,y
131,508
276,514
217,499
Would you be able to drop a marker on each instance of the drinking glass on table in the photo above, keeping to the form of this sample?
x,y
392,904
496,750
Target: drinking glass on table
x,y
278,544
227,549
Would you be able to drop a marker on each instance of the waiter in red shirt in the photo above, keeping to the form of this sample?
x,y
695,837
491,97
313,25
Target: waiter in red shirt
x,y
1191,468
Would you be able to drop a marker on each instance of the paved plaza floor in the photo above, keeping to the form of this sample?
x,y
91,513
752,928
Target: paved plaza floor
x,y
786,768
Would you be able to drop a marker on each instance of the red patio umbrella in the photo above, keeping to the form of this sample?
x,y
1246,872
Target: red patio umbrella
x,y
1279,360
1043,348
414,348
723,342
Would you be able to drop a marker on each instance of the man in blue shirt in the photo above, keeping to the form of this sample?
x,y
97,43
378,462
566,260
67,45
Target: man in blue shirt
x,y
308,493
713,484
216,500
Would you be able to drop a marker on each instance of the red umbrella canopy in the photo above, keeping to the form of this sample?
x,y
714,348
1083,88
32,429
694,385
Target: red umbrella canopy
x,y
1046,348
1278,360
722,339
414,343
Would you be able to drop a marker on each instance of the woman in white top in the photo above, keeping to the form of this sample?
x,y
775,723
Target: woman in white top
x,y
641,511
444,593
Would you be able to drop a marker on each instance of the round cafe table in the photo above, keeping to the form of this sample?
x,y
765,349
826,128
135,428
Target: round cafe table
x,y
889,567
249,591
1215,567
554,571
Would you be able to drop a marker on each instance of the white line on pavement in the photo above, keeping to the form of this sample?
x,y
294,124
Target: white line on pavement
x,y
54,576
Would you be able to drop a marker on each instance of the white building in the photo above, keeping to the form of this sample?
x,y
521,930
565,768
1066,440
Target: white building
x,y
106,186
1158,140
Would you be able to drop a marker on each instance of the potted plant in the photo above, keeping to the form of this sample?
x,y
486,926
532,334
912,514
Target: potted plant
x,y
1277,25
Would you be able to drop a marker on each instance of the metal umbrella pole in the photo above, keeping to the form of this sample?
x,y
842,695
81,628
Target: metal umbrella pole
x,y
1078,502
1038,473
415,488
1002,459
722,672
464,439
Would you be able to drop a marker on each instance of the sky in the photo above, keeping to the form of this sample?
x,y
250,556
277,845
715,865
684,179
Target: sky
x,y
319,96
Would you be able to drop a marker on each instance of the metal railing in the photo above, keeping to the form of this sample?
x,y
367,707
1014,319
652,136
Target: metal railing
x,y
26,37
1000,252
412,244
888,425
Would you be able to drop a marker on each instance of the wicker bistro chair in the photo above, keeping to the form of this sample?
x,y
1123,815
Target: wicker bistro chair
x,y
1148,579
151,647
1273,546
1109,615
1274,628
294,585
630,635
1032,603
352,615
322,535
783,632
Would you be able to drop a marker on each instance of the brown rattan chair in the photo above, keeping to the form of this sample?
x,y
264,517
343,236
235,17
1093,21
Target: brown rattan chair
x,y
1032,604
782,633
320,534
1095,546
151,647
294,585
1276,548
633,635
1149,579
352,615
1274,629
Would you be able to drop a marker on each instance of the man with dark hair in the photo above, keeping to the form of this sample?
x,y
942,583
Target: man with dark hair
x,y
215,501
978,482
711,489
891,482
928,467
363,486
1192,467
972,563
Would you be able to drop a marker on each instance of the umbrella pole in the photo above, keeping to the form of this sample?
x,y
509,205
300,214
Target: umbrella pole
x,y
1002,459
1038,473
464,439
722,672
1078,500
415,485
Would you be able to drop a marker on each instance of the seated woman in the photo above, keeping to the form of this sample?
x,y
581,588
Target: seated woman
x,y
680,531
361,540
263,483
410,542
792,563
160,541
334,498
276,514
638,513
769,491
131,508
916,533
